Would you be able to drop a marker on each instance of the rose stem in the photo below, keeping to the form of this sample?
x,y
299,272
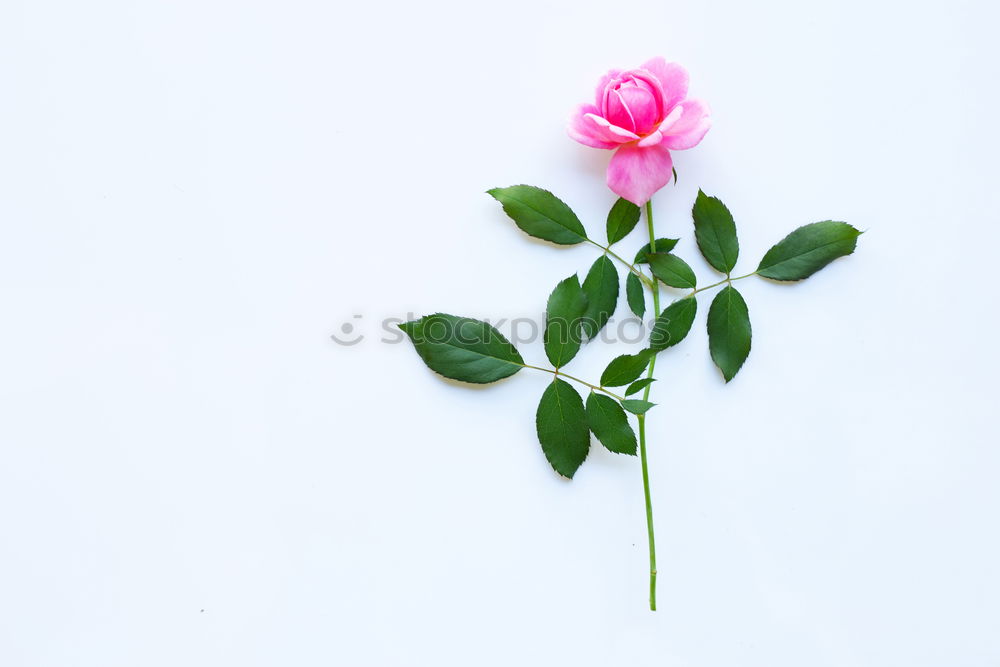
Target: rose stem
x,y
642,427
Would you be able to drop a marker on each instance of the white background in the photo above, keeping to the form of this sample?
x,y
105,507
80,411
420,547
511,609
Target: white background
x,y
195,195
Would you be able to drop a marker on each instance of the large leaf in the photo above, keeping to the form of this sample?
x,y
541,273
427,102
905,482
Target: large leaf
x,y
715,231
463,349
673,324
672,270
563,316
601,288
662,245
729,331
808,249
541,214
609,423
561,423
621,220
635,295
625,369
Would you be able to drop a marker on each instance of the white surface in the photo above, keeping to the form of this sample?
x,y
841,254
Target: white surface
x,y
195,195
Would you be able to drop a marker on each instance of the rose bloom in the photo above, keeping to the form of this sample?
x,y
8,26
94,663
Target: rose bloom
x,y
644,114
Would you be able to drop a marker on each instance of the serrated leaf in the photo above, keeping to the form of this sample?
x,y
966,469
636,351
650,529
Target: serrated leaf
x,y
625,369
637,406
715,231
639,385
662,245
610,424
541,214
622,219
563,431
601,288
635,295
563,317
808,249
673,324
729,331
671,270
463,349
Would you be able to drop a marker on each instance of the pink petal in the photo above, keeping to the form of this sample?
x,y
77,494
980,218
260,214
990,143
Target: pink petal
x,y
671,118
602,85
648,79
672,77
612,132
690,129
636,173
651,140
643,107
585,127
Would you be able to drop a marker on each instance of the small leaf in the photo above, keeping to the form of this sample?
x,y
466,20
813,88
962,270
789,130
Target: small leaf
x,y
562,427
637,406
674,169
563,314
672,270
463,349
635,295
601,288
673,324
715,231
729,331
621,220
662,245
808,249
625,369
541,214
639,385
610,424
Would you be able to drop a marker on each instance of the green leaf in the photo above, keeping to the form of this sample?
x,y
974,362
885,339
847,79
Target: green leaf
x,y
625,369
729,331
673,324
601,288
635,295
562,427
563,316
463,349
662,245
621,220
672,270
610,424
639,385
715,231
637,406
808,249
541,214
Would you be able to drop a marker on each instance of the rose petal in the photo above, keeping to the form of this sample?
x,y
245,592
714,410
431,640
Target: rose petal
x,y
651,140
671,118
636,173
602,86
672,77
612,132
690,129
581,128
643,107
587,127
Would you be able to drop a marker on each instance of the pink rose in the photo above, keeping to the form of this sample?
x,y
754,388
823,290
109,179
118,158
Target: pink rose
x,y
643,113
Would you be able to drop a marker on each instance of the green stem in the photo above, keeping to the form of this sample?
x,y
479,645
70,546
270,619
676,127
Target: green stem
x,y
642,427
721,282
558,372
631,267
